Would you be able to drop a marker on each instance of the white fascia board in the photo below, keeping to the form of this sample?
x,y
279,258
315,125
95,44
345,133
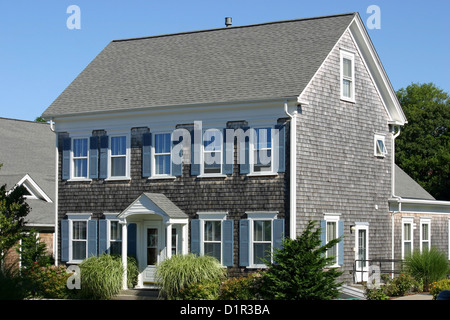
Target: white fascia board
x,y
35,191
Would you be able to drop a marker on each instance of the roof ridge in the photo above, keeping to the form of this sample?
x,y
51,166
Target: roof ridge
x,y
235,27
22,120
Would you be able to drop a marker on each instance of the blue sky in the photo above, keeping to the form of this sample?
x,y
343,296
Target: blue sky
x,y
40,56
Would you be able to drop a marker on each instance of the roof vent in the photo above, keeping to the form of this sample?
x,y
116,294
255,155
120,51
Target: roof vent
x,y
228,21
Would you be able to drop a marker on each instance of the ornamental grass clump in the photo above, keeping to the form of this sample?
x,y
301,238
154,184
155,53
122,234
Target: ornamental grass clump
x,y
428,265
182,271
101,277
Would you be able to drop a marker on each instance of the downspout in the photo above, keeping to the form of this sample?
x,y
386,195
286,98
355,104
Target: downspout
x,y
55,240
393,196
293,171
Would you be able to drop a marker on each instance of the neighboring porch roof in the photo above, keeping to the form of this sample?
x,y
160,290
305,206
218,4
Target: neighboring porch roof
x,y
154,203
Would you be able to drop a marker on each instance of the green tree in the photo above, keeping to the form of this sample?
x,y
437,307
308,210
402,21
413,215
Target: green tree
x,y
301,270
423,147
13,210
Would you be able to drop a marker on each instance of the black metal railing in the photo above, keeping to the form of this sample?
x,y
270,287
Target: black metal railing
x,y
390,267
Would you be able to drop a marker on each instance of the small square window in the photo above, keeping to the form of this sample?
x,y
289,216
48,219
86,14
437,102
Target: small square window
x,y
379,146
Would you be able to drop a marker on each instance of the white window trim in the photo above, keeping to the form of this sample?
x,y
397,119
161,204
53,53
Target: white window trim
x,y
259,216
252,152
350,56
204,174
72,159
210,216
376,152
127,156
154,175
425,222
333,217
407,220
79,217
110,217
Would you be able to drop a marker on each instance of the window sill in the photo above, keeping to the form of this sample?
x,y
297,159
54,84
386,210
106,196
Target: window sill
x,y
348,100
212,176
118,179
262,174
79,180
162,178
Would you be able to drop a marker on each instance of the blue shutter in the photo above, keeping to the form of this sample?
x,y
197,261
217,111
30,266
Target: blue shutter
x,y
281,147
102,236
227,151
146,154
323,232
195,236
278,233
64,240
103,170
131,238
244,168
177,169
67,146
92,238
244,243
93,157
341,243
227,234
195,154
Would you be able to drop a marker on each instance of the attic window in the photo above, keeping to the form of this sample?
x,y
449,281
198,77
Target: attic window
x,y
379,146
347,76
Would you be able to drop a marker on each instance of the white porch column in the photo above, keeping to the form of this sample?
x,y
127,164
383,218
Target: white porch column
x,y
184,239
124,253
169,240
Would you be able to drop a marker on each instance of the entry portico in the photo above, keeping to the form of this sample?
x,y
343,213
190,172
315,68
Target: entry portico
x,y
153,228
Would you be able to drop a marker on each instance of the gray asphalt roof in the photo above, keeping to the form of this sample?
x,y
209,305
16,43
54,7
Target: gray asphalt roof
x,y
262,61
28,147
166,205
406,187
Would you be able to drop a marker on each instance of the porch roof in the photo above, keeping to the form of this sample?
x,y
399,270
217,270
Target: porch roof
x,y
154,203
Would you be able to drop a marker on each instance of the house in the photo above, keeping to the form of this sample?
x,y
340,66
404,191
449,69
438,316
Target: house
x,y
221,142
27,155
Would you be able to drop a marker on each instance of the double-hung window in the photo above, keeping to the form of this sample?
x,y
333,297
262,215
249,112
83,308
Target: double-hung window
x,y
115,237
347,76
80,157
262,241
407,236
212,152
79,240
118,157
332,228
213,238
162,154
425,237
262,150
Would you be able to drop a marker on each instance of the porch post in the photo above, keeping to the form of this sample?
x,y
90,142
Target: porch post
x,y
124,253
184,242
169,240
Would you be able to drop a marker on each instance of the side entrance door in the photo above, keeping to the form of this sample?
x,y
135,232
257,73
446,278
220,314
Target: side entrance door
x,y
362,252
153,240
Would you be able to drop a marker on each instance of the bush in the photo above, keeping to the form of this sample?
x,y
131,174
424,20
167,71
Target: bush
x,y
299,271
47,281
132,272
242,288
182,271
438,286
101,277
401,285
208,290
428,265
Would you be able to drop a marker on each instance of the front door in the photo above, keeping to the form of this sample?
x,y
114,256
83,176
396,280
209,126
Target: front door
x,y
153,242
362,263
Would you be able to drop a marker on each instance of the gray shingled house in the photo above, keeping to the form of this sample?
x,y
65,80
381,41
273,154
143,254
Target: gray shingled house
x,y
27,155
221,142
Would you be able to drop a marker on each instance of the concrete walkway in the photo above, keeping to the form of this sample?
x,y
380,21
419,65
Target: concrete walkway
x,y
137,294
419,296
